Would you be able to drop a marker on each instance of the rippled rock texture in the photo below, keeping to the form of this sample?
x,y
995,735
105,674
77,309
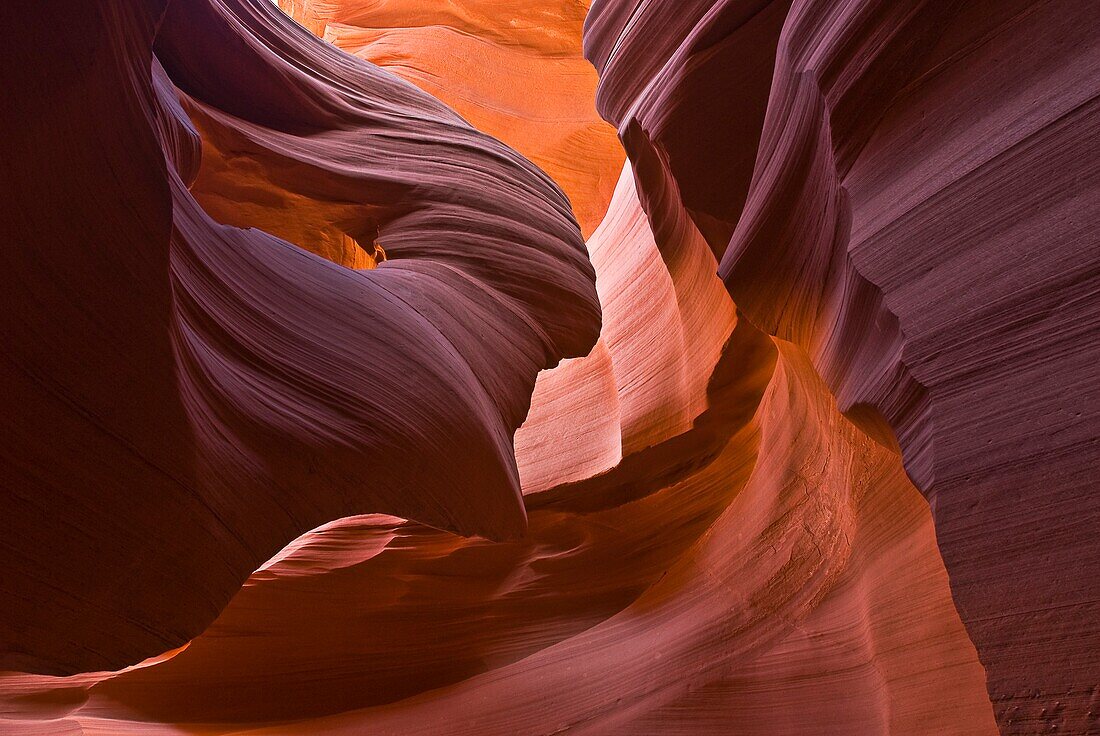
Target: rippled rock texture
x,y
525,367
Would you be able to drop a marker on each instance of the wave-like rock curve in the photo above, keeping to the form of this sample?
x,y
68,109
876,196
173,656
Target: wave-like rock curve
x,y
907,203
188,397
330,295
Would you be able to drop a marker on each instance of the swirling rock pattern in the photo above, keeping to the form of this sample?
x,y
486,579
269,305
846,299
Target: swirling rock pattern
x,y
200,395
912,217
297,308
513,68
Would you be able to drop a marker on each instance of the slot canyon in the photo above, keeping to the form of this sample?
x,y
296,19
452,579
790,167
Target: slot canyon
x,y
538,367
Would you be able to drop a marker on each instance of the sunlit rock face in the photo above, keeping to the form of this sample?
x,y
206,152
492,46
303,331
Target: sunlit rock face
x,y
811,287
513,68
907,204
202,394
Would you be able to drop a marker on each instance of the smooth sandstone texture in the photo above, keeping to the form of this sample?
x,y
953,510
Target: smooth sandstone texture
x,y
513,68
720,537
912,200
798,561
676,451
185,397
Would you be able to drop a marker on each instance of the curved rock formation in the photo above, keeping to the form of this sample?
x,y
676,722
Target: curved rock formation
x,y
513,68
328,296
905,204
189,397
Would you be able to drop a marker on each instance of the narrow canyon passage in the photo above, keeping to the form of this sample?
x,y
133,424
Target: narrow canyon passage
x,y
518,367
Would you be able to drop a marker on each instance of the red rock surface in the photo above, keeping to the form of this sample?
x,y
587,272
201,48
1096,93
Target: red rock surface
x,y
189,397
297,307
513,68
915,213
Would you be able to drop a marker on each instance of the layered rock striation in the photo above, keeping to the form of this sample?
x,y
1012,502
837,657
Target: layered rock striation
x,y
813,309
905,194
186,396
